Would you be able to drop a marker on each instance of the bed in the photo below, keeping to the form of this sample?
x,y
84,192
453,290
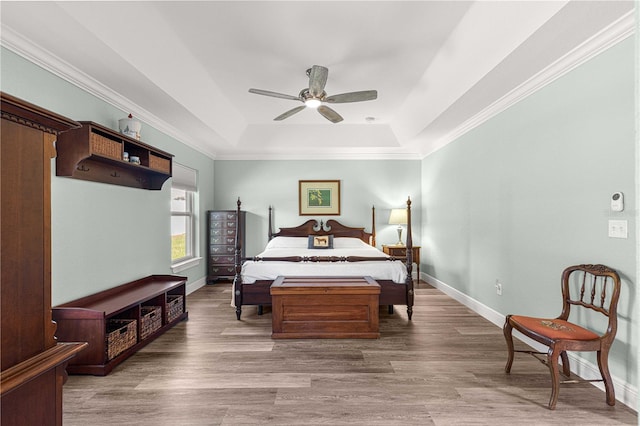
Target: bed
x,y
321,249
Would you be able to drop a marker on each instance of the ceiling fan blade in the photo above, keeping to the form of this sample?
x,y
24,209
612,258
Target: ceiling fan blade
x,y
329,114
289,113
317,80
365,95
274,94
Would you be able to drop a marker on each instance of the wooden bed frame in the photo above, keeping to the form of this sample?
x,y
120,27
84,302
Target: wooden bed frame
x,y
258,293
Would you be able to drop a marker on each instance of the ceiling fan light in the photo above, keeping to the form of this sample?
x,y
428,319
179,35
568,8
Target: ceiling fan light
x,y
312,102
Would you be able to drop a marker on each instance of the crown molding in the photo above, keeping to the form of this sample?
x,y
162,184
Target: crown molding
x,y
62,69
334,156
613,34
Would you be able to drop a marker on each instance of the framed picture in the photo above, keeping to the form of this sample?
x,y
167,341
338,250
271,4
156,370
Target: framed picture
x,y
319,197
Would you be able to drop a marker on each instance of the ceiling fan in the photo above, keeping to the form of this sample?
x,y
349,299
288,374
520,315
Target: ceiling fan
x,y
315,97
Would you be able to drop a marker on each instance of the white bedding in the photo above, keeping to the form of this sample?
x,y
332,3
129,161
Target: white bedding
x,y
297,246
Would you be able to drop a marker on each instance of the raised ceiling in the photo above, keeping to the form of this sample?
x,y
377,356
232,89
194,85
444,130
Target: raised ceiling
x,y
440,67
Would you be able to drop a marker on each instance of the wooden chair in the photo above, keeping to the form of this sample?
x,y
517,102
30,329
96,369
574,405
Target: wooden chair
x,y
588,288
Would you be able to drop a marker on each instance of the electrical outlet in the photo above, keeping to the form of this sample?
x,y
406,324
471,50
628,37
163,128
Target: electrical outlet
x,y
498,288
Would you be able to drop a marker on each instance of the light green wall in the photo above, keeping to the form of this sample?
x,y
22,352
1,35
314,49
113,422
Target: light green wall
x,y
104,235
259,184
527,193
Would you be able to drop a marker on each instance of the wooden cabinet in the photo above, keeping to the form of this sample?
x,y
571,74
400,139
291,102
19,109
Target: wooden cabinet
x,y
33,363
94,152
401,253
120,316
222,229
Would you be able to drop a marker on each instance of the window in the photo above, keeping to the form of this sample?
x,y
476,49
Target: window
x,y
181,224
183,218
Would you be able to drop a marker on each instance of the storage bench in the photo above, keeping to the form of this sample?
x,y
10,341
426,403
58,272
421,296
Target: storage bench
x,y
119,321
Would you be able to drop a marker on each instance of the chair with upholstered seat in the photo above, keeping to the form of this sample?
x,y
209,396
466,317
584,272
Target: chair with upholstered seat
x,y
591,288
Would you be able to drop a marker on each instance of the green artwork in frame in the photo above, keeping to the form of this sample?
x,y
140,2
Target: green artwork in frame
x,y
319,197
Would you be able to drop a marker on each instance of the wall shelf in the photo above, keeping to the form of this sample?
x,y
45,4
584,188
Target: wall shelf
x,y
95,153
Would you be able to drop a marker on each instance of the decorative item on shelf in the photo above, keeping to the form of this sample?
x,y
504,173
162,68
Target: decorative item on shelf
x,y
130,127
398,217
125,156
135,160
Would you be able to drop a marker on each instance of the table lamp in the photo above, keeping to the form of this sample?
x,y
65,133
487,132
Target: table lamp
x,y
398,217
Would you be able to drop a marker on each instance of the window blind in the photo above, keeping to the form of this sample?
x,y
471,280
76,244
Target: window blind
x,y
184,178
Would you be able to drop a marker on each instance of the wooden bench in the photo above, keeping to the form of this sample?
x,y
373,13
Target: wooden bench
x,y
325,307
87,319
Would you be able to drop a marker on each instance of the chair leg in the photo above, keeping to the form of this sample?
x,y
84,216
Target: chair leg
x,y
603,364
566,370
507,330
552,362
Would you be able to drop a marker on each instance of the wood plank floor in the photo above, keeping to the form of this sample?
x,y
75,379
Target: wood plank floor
x,y
443,368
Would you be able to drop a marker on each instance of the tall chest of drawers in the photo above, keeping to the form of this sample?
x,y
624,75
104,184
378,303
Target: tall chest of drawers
x,y
222,228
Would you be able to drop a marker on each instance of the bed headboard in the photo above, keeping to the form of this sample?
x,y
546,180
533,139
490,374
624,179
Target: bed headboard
x,y
335,228
332,227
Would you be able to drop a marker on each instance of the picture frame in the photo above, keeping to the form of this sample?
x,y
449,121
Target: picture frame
x,y
319,197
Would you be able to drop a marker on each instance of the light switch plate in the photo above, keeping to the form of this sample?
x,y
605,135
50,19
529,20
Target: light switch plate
x,y
618,229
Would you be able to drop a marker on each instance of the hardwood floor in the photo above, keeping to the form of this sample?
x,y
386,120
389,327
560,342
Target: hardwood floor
x,y
446,367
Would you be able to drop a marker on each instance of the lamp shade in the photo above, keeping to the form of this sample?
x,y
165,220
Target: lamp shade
x,y
398,217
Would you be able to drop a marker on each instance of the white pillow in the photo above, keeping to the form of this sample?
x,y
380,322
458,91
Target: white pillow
x,y
345,242
288,242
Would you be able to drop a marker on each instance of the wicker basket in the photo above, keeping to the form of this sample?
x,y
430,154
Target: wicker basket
x,y
159,163
150,320
175,307
121,335
106,147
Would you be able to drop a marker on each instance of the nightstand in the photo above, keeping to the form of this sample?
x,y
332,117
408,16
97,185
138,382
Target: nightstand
x,y
401,252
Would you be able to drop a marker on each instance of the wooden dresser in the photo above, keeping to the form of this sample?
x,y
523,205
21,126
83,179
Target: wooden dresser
x,y
222,229
33,363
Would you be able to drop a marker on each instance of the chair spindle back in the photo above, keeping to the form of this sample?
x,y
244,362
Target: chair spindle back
x,y
599,290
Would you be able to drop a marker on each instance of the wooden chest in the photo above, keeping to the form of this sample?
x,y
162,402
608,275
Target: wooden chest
x,y
325,307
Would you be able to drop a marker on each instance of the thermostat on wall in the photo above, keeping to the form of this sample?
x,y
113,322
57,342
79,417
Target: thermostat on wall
x,y
617,202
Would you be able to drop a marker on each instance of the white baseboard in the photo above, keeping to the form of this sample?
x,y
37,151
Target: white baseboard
x,y
191,287
625,393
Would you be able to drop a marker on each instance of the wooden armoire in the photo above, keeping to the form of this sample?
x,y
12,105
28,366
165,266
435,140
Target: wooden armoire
x,y
33,363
